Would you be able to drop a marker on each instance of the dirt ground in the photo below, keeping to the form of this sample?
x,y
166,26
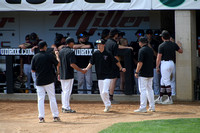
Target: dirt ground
x,y
21,117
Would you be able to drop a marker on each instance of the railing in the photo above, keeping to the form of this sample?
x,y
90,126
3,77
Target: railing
x,y
11,52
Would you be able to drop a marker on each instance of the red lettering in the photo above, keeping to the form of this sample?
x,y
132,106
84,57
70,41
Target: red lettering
x,y
125,20
116,18
62,19
5,20
92,31
75,18
3,42
107,18
87,20
139,21
98,20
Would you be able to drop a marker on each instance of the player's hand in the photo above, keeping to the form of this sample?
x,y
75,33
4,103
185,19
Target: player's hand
x,y
136,75
34,48
158,70
56,52
84,71
130,48
58,77
123,70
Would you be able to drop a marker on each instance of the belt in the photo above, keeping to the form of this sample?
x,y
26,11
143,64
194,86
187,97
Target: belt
x,y
167,60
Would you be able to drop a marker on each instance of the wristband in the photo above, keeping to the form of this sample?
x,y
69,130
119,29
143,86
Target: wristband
x,y
136,72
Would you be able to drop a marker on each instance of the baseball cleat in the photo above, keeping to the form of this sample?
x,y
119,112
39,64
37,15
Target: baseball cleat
x,y
168,101
41,120
107,109
68,110
152,110
56,119
158,100
140,110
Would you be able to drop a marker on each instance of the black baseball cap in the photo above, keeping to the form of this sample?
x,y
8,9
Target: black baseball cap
x,y
69,40
114,32
143,40
157,32
86,34
165,34
100,41
41,44
105,33
140,32
81,35
149,31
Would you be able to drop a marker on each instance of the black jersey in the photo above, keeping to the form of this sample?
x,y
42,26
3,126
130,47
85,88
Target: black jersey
x,y
103,64
146,57
43,64
168,49
82,61
67,57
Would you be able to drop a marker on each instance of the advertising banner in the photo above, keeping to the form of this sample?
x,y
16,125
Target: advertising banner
x,y
175,4
74,5
14,26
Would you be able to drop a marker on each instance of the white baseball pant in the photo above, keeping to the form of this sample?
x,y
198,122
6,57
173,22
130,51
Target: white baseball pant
x,y
173,81
41,91
166,69
66,92
146,92
104,86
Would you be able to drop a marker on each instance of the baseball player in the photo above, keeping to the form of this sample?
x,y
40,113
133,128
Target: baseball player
x,y
112,48
66,73
42,64
145,78
103,62
165,65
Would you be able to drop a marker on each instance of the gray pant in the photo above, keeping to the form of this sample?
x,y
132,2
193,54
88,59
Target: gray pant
x,y
156,82
27,72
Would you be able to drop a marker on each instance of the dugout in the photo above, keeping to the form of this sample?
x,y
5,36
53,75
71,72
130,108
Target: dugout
x,y
17,18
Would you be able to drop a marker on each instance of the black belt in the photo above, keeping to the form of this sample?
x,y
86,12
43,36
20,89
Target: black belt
x,y
167,60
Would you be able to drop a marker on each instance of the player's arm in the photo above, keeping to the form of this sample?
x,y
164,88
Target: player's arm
x,y
125,47
116,60
117,57
57,55
22,46
158,60
139,66
89,66
77,46
86,46
120,67
60,47
77,68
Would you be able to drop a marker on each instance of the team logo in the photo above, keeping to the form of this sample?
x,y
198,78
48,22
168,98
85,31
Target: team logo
x,y
105,57
172,3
